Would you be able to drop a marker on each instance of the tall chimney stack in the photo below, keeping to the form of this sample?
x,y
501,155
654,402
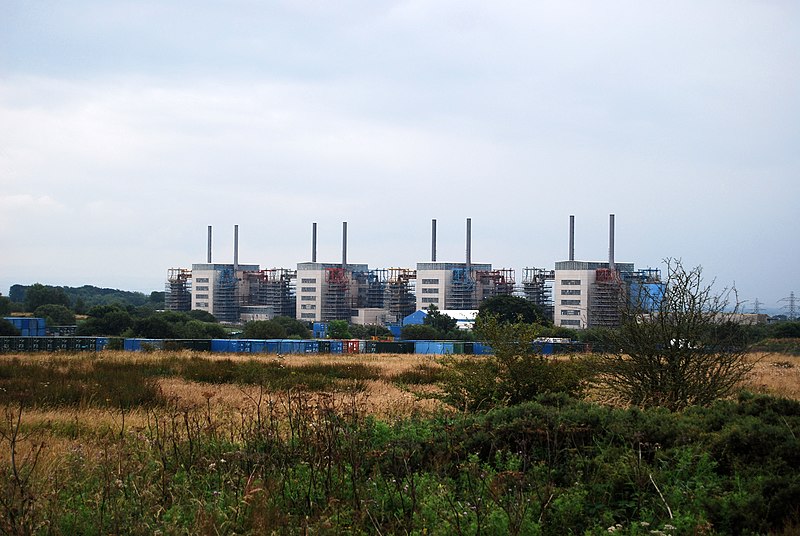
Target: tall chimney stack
x,y
314,242
611,264
572,237
344,244
433,240
469,243
235,248
209,245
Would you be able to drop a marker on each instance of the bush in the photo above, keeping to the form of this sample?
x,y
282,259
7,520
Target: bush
x,y
263,329
55,315
7,328
513,374
679,348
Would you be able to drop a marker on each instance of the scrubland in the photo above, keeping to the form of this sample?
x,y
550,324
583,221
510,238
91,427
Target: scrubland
x,y
181,442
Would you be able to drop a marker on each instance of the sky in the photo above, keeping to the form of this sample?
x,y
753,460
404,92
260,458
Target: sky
x,y
126,128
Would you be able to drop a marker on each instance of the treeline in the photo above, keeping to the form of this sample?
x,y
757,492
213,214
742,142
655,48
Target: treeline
x,y
80,299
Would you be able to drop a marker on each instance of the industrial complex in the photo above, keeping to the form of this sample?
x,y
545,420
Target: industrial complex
x,y
575,294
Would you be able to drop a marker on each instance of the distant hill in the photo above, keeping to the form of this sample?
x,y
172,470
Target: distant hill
x,y
88,296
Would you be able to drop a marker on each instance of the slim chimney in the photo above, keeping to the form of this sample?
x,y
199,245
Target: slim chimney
x,y
572,237
469,243
344,244
611,264
314,242
433,240
235,248
209,244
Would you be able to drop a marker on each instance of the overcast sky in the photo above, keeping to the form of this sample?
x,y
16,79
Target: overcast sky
x,y
126,128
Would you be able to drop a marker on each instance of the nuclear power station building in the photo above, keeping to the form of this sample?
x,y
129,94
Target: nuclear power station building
x,y
590,294
576,294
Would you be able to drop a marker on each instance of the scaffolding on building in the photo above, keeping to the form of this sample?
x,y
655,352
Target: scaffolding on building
x,y
273,288
537,289
178,291
462,294
336,304
491,283
607,297
226,304
368,289
400,299
644,288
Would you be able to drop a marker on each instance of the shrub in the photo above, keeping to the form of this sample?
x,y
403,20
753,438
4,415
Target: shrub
x,y
513,374
678,348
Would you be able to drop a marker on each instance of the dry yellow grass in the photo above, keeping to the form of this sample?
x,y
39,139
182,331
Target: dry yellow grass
x,y
775,374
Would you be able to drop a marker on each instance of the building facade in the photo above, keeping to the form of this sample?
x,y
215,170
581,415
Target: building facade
x,y
448,285
218,288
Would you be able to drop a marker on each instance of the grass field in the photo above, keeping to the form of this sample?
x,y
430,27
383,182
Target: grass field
x,y
224,444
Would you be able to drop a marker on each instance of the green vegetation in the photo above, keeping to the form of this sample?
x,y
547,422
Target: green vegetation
x,y
82,298
368,331
436,326
688,351
7,328
507,308
339,329
514,373
55,315
67,382
319,464
6,305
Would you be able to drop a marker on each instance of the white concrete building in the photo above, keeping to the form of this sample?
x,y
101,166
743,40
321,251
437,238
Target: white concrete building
x,y
448,285
325,291
216,289
574,291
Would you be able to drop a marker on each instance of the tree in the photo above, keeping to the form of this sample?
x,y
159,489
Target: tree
x,y
369,330
512,309
514,373
5,305
7,329
155,327
38,295
786,330
418,332
439,321
294,328
202,316
684,349
109,320
339,329
263,329
55,315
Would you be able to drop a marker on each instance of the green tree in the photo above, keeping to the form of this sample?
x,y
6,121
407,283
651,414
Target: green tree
x,y
37,295
5,305
7,329
419,332
155,327
688,351
195,329
439,321
512,309
263,329
339,329
294,328
514,373
369,331
202,316
106,320
785,330
80,306
55,315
